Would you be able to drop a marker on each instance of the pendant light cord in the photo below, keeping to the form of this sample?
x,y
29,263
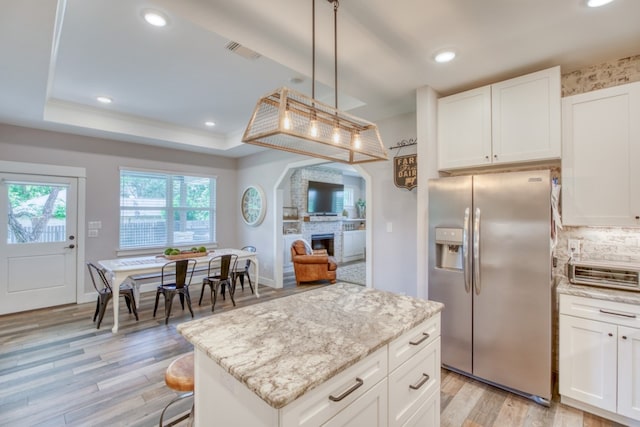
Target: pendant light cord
x,y
335,49
336,3
313,49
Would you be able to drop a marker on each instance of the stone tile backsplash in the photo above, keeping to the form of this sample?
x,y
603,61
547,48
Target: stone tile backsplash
x,y
600,76
599,244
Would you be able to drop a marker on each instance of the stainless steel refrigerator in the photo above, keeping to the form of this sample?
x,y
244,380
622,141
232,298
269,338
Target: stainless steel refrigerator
x,y
490,264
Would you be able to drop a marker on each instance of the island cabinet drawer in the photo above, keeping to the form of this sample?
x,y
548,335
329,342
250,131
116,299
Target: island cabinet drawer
x,y
369,410
616,312
322,403
411,342
413,383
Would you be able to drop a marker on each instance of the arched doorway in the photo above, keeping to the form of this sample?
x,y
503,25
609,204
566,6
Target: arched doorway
x,y
282,252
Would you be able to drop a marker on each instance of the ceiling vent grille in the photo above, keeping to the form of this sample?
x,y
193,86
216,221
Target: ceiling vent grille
x,y
245,52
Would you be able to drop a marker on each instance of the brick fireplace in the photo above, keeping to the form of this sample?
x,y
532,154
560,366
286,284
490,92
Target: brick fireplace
x,y
323,241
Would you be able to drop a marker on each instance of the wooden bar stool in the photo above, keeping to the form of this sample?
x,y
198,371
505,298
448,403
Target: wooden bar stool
x,y
179,377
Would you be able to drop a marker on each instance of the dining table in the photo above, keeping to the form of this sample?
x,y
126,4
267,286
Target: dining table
x,y
126,269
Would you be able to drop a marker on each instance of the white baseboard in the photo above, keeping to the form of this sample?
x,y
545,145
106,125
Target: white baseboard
x,y
600,412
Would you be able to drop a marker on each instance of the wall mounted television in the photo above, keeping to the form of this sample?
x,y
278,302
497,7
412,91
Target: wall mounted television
x,y
324,198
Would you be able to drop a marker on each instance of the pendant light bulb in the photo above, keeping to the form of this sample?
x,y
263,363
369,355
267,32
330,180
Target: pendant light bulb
x,y
286,121
336,134
357,142
313,127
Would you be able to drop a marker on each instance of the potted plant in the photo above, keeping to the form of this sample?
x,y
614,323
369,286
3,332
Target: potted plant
x,y
361,205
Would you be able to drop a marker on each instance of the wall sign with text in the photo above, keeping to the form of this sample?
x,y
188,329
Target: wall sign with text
x,y
405,171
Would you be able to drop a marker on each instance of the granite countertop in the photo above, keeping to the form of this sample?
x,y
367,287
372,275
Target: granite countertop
x,y
608,294
282,348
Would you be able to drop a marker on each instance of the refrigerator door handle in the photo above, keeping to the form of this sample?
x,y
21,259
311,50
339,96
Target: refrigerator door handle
x,y
476,251
466,260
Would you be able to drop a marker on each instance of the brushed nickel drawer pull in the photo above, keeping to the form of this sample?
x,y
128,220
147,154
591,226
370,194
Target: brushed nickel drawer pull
x,y
631,316
424,337
422,382
346,393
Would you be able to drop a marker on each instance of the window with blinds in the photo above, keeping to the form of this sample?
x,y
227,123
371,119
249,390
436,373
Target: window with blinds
x,y
162,209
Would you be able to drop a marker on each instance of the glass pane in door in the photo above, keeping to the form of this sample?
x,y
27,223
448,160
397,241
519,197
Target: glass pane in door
x,y
37,213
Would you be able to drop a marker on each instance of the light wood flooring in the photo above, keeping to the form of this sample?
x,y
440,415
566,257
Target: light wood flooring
x,y
469,403
56,369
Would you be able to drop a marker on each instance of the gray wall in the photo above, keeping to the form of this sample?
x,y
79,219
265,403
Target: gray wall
x,y
102,159
393,254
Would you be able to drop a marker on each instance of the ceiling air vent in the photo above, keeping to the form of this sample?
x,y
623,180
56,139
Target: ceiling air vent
x,y
245,52
610,275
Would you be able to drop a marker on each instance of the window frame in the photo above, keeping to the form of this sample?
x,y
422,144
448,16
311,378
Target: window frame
x,y
348,196
169,209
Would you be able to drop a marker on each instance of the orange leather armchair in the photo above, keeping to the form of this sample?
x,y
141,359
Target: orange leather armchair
x,y
310,267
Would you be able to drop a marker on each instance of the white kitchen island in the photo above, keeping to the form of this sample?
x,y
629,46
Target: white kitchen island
x,y
338,355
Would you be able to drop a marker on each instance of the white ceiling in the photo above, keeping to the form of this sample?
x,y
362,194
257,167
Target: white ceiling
x,y
57,56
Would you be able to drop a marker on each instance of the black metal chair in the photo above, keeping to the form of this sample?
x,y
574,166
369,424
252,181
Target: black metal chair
x,y
242,271
182,271
220,276
105,293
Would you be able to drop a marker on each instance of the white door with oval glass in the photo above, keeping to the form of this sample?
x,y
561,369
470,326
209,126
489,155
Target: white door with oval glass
x,y
38,253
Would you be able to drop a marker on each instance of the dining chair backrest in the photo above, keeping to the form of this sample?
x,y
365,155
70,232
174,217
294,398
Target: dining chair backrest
x,y
247,264
227,265
182,269
94,271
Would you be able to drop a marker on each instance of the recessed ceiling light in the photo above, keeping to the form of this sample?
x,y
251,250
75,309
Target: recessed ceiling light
x,y
104,99
210,124
155,18
445,56
597,3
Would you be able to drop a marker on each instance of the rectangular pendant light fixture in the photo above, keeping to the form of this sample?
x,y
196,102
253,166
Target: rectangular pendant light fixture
x,y
290,121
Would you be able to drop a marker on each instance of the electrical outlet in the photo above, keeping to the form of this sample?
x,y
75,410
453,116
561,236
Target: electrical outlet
x,y
574,246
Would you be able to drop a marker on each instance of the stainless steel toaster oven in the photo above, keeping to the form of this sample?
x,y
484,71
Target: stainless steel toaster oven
x,y
608,274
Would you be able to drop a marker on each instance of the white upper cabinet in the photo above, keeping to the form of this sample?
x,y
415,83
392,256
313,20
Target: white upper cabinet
x,y
525,117
600,157
517,120
464,129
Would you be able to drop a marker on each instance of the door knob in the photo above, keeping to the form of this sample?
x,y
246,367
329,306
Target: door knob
x,y
70,247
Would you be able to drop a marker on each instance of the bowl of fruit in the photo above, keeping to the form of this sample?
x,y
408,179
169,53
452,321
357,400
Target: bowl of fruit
x,y
174,253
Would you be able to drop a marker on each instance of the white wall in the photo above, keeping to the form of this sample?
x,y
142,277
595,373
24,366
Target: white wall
x,y
102,159
393,219
426,111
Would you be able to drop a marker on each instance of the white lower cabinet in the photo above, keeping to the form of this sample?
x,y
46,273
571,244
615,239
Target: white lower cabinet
x,y
629,372
588,361
353,245
600,357
397,385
